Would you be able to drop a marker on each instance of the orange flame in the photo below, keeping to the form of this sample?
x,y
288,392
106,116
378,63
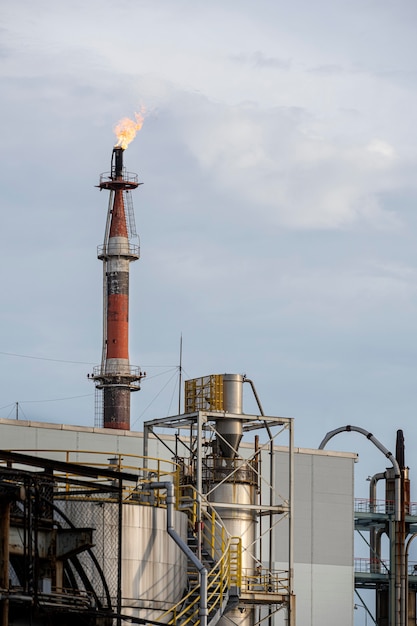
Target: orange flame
x,y
126,130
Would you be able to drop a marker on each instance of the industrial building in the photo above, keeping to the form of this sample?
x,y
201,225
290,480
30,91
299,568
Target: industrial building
x,y
211,516
322,540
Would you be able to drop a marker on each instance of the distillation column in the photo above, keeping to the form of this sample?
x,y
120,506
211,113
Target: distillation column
x,y
115,377
235,484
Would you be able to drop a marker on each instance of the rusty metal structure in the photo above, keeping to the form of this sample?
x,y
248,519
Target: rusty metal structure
x,y
115,378
44,576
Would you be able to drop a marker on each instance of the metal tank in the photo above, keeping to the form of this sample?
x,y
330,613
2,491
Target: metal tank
x,y
154,571
230,429
232,484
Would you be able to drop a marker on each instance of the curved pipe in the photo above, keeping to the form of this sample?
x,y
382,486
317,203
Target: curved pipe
x,y
375,537
89,552
399,600
372,487
169,487
258,402
380,447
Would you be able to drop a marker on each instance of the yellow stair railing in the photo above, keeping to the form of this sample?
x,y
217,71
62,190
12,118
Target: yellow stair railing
x,y
221,553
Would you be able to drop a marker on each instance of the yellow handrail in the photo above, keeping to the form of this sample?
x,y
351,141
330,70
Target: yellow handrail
x,y
225,552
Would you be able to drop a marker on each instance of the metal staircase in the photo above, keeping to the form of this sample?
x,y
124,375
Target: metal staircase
x,y
221,556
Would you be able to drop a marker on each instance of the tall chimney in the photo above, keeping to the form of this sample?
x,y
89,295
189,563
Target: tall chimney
x,y
115,378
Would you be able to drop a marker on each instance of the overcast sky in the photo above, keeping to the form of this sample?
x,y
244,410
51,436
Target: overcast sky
x,y
277,218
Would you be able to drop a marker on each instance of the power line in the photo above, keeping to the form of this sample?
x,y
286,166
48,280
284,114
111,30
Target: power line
x,y
154,399
86,395
6,406
44,358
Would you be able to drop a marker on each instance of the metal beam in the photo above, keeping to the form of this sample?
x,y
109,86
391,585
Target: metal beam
x,y
68,468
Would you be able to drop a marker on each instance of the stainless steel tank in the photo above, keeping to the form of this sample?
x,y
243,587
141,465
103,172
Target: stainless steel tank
x,y
238,520
154,570
233,393
232,484
230,429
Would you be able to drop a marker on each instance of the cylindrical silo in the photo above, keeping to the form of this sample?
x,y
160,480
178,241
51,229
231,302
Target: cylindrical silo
x,y
230,429
154,569
232,484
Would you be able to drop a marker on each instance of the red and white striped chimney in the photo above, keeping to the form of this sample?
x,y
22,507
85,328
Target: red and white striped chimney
x,y
115,378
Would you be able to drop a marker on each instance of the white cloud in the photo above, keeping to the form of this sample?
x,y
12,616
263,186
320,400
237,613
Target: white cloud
x,y
276,166
382,149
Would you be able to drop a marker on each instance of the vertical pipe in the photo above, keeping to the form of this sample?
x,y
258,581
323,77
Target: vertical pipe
x,y
180,378
203,574
410,618
118,162
199,479
119,552
146,433
291,523
393,614
272,478
375,543
4,557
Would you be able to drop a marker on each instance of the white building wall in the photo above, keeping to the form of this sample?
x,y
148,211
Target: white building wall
x,y
324,594
323,534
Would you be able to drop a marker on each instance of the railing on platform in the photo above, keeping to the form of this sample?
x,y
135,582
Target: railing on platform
x,y
265,581
371,566
380,566
384,507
